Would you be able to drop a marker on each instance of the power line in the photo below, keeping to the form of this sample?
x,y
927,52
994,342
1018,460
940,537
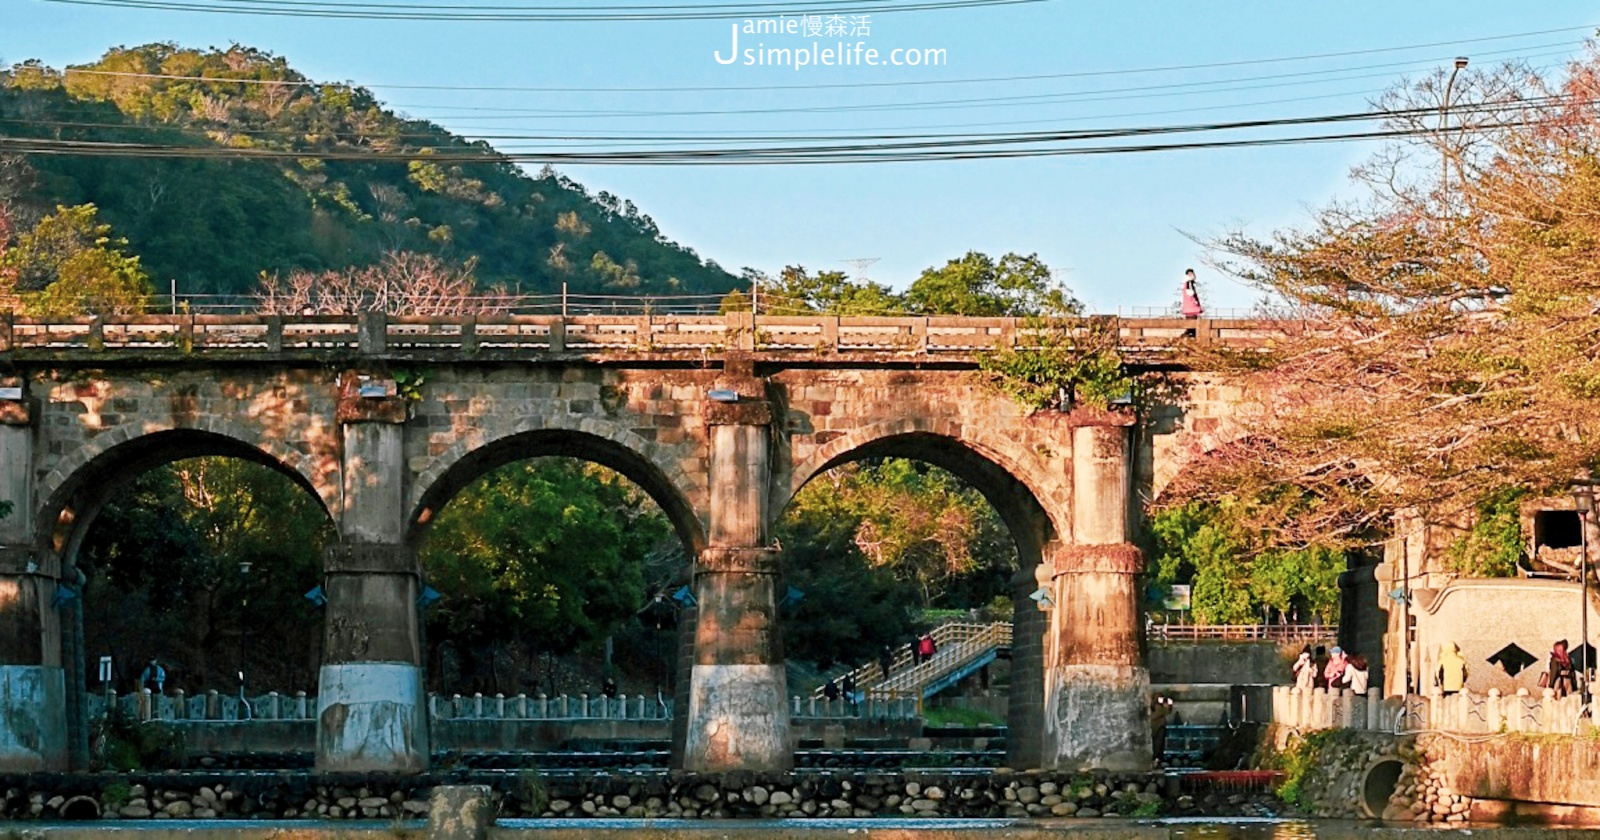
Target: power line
x,y
859,153
467,152
1023,100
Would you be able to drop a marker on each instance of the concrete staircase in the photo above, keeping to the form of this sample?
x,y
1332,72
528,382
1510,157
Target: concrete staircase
x,y
963,648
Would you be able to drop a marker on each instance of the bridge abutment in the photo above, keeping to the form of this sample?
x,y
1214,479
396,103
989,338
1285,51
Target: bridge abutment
x,y
33,722
738,711
371,707
1097,688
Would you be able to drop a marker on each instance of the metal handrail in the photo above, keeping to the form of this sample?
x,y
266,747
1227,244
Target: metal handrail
x,y
957,644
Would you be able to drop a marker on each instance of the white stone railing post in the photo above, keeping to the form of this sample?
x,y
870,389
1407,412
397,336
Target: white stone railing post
x,y
1547,711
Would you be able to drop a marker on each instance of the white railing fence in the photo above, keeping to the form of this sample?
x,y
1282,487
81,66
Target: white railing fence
x,y
1464,713
213,707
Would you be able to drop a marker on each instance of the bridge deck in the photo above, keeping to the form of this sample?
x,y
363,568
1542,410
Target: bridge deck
x,y
952,339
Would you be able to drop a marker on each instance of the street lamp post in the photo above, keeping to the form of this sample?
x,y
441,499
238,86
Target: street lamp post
x,y
1583,502
1444,124
244,636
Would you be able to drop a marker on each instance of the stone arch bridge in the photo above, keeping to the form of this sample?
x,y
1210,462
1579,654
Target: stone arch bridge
x,y
720,419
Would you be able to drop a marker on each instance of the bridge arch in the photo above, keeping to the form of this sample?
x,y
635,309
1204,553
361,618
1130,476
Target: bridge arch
x,y
72,493
589,439
1034,506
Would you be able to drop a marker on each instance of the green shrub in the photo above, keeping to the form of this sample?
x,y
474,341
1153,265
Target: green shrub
x,y
125,744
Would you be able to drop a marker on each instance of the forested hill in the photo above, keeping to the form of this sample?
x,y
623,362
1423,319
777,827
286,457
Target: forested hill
x,y
215,224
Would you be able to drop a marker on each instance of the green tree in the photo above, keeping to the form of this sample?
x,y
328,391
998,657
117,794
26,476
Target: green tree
x,y
977,284
873,543
69,264
1233,570
798,292
1494,545
165,561
548,553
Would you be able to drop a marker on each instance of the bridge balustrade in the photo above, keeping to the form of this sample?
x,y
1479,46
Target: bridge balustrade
x,y
1464,713
524,334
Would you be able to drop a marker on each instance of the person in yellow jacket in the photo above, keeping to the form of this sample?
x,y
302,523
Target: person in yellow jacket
x,y
1452,669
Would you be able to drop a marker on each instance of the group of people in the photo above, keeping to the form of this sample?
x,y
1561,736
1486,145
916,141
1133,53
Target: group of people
x,y
921,648
1330,669
1337,670
844,686
1559,674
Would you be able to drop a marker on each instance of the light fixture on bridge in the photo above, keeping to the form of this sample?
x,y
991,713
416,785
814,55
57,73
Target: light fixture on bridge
x,y
1041,596
722,395
376,389
316,597
429,597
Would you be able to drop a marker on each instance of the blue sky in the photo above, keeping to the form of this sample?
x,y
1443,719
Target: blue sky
x,y
1114,225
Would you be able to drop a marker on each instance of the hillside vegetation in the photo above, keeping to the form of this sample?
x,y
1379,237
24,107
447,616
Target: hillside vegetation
x,y
214,225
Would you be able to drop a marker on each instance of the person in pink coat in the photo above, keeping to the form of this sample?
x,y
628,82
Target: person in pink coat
x,y
1190,307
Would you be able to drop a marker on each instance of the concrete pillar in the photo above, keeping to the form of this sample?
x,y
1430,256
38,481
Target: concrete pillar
x,y
371,707
1097,688
738,711
33,693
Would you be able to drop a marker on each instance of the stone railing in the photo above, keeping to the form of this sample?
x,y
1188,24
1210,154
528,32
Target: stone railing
x,y
1466,712
209,706
1239,632
522,335
868,708
213,706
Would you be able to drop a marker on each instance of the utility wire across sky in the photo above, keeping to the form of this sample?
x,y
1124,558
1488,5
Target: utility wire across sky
x,y
882,150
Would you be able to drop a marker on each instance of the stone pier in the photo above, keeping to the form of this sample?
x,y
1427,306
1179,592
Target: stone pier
x,y
371,707
1097,688
33,726
738,693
